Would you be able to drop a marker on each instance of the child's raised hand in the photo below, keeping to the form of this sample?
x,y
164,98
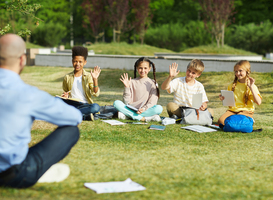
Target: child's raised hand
x,y
250,82
96,72
173,70
124,79
221,97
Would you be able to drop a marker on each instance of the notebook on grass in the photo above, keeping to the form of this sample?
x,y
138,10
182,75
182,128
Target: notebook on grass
x,y
157,127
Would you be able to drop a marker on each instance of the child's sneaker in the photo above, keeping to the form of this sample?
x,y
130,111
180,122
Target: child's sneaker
x,y
122,116
155,118
56,173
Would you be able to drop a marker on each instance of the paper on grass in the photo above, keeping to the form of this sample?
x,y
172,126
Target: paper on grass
x,y
117,186
229,98
197,100
113,122
199,129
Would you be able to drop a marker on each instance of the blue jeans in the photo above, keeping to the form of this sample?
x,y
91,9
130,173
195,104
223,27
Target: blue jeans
x,y
85,108
121,107
41,157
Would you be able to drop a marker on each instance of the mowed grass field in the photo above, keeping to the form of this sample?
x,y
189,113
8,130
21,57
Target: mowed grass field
x,y
171,164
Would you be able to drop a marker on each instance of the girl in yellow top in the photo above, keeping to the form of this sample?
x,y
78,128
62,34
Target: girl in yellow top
x,y
245,91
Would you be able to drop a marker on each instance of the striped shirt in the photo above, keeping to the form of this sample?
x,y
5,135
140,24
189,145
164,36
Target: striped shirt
x,y
183,92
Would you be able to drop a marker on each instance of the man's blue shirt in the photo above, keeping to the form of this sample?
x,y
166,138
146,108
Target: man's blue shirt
x,y
20,105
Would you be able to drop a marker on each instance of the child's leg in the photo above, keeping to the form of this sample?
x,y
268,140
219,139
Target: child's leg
x,y
121,107
221,120
173,109
155,110
246,113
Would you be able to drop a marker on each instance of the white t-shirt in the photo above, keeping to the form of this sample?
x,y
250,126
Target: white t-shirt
x,y
183,92
77,90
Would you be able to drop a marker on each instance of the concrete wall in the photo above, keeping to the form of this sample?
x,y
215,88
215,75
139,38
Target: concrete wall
x,y
161,63
210,56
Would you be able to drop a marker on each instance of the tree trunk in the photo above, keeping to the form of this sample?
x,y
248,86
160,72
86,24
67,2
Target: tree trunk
x,y
223,34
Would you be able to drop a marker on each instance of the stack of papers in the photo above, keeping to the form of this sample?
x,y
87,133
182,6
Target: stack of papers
x,y
113,122
199,129
118,186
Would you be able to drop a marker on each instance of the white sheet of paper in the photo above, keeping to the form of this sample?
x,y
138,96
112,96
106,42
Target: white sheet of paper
x,y
229,98
117,186
199,129
197,100
113,122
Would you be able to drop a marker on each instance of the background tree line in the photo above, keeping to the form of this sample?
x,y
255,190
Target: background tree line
x,y
172,24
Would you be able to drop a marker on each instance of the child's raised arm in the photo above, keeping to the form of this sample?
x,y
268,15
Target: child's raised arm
x,y
172,73
250,84
124,79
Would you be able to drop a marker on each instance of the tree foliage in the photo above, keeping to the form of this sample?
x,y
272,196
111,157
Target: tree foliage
x,y
116,13
252,37
16,9
94,17
142,17
216,15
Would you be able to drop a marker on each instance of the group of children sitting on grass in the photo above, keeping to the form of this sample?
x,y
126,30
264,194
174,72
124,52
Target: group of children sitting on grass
x,y
142,92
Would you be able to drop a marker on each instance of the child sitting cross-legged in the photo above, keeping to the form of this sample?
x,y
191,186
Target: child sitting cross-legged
x,y
184,88
141,93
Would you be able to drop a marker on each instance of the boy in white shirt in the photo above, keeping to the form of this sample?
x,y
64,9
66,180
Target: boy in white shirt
x,y
82,85
184,88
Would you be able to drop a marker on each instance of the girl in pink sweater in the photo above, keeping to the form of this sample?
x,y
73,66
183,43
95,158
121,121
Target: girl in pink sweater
x,y
142,93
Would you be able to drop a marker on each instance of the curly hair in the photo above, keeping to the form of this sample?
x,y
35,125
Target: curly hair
x,y
79,51
151,64
245,65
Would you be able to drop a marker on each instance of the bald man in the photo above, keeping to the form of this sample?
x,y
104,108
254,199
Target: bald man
x,y
20,105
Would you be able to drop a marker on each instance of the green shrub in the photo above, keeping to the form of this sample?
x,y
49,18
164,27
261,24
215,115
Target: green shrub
x,y
251,37
49,34
178,37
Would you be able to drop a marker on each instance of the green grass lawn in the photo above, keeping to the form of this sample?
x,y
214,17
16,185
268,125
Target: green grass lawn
x,y
123,48
171,164
213,49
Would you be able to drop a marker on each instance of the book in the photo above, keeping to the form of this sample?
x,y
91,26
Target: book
x,y
68,99
132,107
157,127
229,98
197,100
113,122
140,123
199,129
215,126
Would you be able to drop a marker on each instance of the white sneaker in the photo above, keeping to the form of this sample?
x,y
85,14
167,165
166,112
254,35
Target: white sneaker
x,y
155,118
122,116
56,173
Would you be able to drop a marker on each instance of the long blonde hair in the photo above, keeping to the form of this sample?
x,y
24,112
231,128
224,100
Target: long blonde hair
x,y
246,66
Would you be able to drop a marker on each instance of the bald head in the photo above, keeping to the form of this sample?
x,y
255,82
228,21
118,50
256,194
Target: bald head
x,y
12,48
